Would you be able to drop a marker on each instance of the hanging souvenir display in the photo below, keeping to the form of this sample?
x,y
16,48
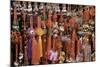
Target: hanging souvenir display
x,y
51,33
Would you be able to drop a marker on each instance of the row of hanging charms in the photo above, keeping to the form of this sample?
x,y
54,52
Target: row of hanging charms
x,y
29,7
17,10
86,28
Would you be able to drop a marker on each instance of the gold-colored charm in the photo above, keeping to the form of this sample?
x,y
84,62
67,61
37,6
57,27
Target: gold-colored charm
x,y
39,31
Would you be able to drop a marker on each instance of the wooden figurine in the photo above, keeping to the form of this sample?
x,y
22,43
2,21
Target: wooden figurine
x,y
86,48
92,12
74,36
26,49
17,42
86,15
68,49
49,25
15,23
